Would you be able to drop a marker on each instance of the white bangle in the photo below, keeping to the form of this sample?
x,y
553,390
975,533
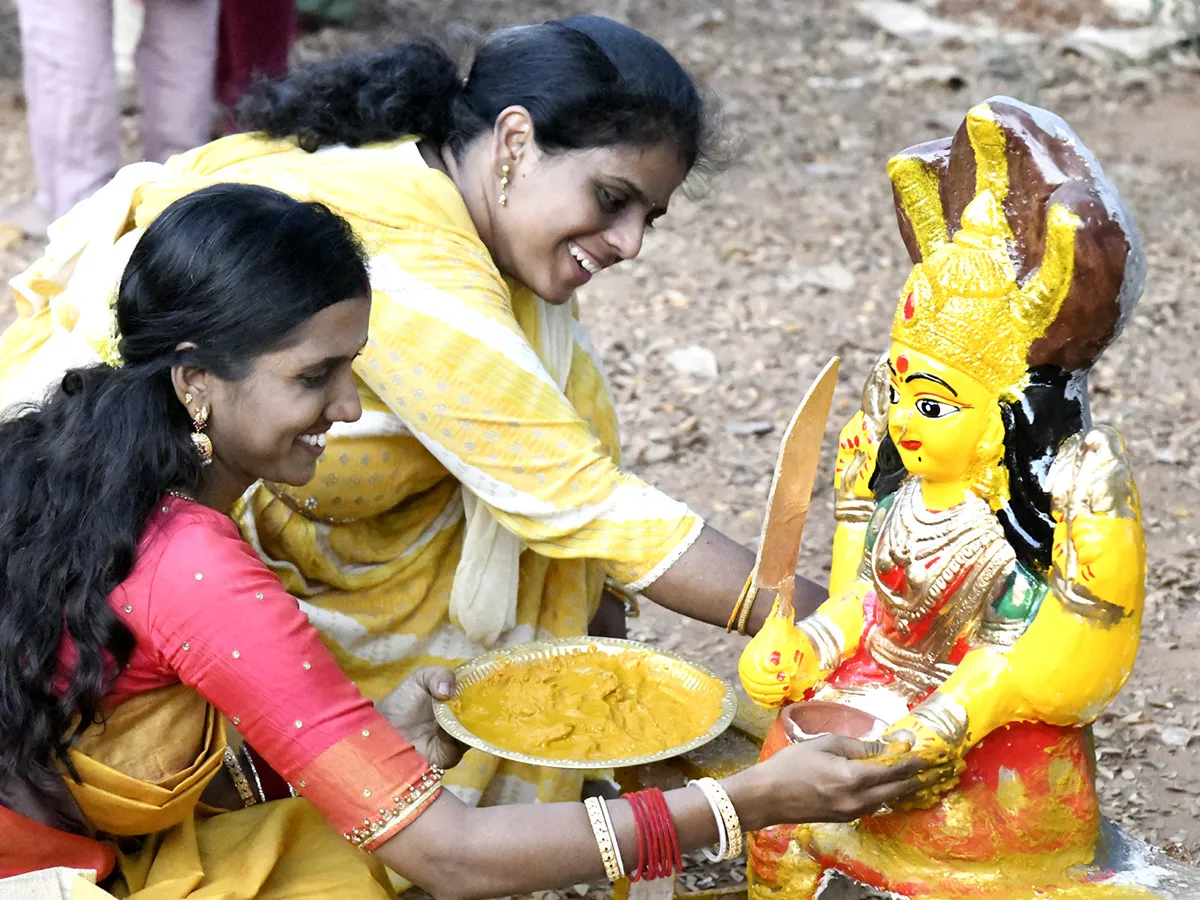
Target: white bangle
x,y
723,834
612,833
605,839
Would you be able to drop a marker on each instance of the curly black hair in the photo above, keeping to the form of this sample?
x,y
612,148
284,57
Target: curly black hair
x,y
586,81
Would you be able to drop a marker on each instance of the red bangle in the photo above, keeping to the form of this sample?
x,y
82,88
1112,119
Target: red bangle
x,y
651,870
664,812
640,827
660,838
659,853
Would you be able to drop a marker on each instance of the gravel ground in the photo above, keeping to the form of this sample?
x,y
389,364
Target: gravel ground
x,y
792,255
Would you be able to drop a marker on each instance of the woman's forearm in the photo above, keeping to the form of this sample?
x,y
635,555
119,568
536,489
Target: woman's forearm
x,y
705,582
459,853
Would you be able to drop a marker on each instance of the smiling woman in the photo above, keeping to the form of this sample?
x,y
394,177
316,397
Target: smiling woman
x,y
479,501
136,621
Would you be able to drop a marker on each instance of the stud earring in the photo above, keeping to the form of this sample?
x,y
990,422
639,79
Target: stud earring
x,y
504,170
201,441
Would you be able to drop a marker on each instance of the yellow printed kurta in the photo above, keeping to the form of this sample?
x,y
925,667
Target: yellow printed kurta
x,y
454,393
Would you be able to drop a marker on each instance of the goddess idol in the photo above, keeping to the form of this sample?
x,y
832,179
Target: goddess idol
x,y
988,563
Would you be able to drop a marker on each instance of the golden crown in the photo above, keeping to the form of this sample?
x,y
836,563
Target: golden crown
x,y
964,303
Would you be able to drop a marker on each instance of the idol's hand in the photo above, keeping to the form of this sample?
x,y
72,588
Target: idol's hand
x,y
944,752
855,462
858,443
1102,547
776,660
410,710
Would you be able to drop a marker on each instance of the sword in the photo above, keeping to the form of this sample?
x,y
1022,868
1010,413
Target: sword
x,y
791,491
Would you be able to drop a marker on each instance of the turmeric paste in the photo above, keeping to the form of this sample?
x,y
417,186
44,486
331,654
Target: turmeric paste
x,y
590,705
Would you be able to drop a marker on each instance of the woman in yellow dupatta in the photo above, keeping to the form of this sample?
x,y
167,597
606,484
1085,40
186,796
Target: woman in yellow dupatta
x,y
136,620
479,502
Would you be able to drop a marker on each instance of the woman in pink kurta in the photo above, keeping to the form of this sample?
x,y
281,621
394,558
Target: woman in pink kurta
x,y
135,621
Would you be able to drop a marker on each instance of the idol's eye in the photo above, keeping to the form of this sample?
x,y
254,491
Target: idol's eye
x,y
893,394
935,409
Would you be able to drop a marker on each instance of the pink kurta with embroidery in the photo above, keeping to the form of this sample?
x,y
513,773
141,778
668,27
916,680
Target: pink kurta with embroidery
x,y
206,612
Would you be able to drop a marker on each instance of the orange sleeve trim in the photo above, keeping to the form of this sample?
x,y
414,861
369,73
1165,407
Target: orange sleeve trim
x,y
393,818
369,785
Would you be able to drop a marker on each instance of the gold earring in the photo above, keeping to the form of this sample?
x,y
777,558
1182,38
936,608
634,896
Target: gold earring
x,y
201,441
504,170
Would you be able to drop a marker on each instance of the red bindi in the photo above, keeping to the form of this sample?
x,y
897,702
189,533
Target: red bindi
x,y
909,307
902,364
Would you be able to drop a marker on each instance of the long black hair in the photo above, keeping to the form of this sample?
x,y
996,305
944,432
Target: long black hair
x,y
586,81
1052,407
229,272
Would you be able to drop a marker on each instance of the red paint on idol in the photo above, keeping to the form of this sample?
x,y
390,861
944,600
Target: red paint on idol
x,y
909,308
775,658
902,362
893,579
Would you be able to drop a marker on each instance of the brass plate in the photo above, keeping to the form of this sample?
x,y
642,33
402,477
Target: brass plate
x,y
691,676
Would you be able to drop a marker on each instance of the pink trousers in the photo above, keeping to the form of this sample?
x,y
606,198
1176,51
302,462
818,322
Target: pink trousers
x,y
72,95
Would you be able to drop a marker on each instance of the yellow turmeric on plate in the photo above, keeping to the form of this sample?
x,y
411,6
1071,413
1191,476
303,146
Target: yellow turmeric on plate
x,y
590,705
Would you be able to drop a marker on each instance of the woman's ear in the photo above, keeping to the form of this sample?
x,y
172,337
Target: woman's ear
x,y
191,384
513,136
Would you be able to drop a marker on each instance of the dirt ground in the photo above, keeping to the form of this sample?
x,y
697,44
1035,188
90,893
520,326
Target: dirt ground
x,y
793,256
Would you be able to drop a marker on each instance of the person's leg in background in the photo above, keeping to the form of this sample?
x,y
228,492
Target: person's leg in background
x,y
255,41
176,59
72,103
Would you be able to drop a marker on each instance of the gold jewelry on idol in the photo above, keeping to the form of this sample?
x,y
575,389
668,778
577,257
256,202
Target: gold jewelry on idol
x,y
504,171
201,441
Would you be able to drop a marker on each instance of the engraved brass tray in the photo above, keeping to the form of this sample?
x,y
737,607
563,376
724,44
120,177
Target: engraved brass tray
x,y
686,674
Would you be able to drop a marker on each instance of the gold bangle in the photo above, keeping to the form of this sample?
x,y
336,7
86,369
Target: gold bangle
x,y
234,768
605,839
741,609
744,618
733,826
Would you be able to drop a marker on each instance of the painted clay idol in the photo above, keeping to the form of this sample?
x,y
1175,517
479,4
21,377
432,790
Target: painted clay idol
x,y
988,565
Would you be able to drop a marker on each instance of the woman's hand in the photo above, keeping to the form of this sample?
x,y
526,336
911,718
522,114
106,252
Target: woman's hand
x,y
410,710
833,779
